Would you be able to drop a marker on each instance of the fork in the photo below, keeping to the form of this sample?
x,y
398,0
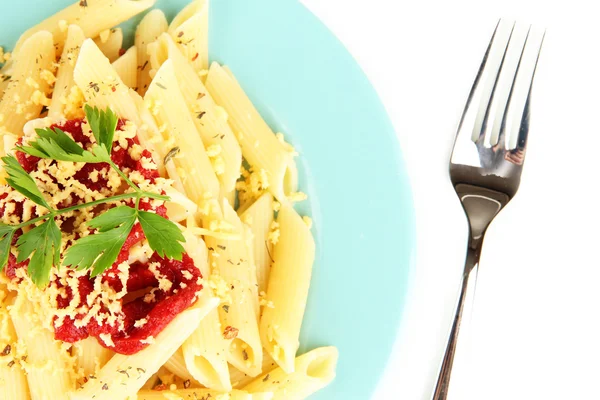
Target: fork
x,y
488,154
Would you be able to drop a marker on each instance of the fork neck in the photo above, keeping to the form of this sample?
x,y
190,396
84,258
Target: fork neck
x,y
473,253
481,205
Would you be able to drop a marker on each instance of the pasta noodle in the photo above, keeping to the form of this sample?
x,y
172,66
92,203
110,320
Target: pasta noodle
x,y
293,256
259,145
23,102
110,43
205,350
64,88
230,263
212,125
176,364
13,381
192,163
90,356
102,87
240,379
126,67
190,30
47,364
259,217
149,29
312,372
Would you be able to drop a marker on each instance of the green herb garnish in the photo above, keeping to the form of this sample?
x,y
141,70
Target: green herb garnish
x,y
172,153
41,243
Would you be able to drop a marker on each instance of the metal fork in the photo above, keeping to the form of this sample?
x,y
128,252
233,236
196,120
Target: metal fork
x,y
488,154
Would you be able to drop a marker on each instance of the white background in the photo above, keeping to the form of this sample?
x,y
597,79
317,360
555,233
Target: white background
x,y
536,330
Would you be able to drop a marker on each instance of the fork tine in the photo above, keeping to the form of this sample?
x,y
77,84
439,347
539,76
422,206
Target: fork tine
x,y
516,115
491,74
504,84
481,90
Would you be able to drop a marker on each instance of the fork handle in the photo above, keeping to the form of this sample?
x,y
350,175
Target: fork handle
x,y
459,331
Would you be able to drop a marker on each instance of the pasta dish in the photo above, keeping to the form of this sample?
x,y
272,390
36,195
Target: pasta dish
x,y
149,245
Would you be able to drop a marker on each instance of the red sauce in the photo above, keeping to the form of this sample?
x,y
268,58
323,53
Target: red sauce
x,y
155,306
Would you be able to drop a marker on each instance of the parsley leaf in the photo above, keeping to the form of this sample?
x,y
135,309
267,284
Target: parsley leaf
x,y
100,250
6,235
163,235
57,145
22,182
103,124
112,218
43,242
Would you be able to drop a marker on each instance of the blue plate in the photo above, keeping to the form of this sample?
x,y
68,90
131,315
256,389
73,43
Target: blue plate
x,y
306,85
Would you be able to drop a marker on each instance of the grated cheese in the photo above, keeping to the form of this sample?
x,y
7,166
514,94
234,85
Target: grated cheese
x,y
276,206
140,322
48,76
148,340
297,196
107,339
63,25
274,233
32,83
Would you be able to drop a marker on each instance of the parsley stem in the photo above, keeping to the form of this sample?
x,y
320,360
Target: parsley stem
x,y
122,174
123,196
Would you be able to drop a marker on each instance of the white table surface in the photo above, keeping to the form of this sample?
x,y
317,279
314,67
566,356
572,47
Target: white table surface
x,y
536,329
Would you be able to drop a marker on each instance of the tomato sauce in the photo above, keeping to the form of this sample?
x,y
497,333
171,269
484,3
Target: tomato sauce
x,y
156,307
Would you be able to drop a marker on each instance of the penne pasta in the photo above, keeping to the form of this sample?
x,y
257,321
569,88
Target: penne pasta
x,y
110,43
231,266
102,87
112,383
150,137
13,381
293,257
210,122
90,356
205,354
93,16
260,146
240,379
48,366
205,351
66,98
189,29
186,13
101,84
249,244
259,217
312,372
149,29
176,365
30,85
179,208
179,134
126,67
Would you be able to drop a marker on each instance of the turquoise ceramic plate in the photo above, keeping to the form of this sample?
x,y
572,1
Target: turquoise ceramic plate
x,y
307,85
